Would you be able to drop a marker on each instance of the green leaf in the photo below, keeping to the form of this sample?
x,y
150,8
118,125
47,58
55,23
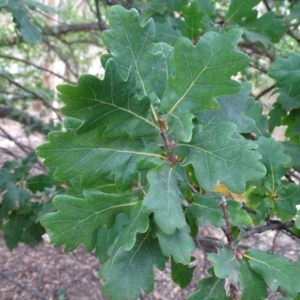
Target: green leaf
x,y
211,288
297,222
276,270
181,274
201,75
3,2
29,32
261,121
138,222
216,156
131,45
193,20
13,229
288,197
208,10
231,109
78,220
288,103
294,13
294,152
93,157
110,103
106,237
286,73
276,115
132,270
207,209
42,7
39,183
226,265
238,9
264,29
5,178
178,244
166,33
274,160
165,199
252,284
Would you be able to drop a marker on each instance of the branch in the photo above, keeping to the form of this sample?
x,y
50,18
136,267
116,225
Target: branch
x,y
227,230
23,286
23,118
36,66
267,90
57,31
34,94
274,225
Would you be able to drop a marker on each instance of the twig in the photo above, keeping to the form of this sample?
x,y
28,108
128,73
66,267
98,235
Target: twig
x,y
267,90
274,225
9,152
36,66
33,93
227,230
267,5
23,286
249,210
98,14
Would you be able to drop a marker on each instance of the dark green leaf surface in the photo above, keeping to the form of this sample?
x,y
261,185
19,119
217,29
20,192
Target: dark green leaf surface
x,y
276,270
166,33
231,109
288,197
106,237
131,45
275,116
164,199
138,222
207,209
3,2
211,288
193,20
111,103
181,274
39,183
216,156
226,265
274,160
178,244
201,74
286,73
78,220
208,10
93,157
252,284
132,270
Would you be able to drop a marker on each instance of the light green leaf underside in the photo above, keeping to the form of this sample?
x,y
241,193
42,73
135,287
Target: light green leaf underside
x,y
111,103
92,156
132,270
78,220
165,199
216,156
276,270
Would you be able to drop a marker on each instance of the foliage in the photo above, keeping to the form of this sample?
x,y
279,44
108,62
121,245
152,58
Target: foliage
x,y
144,148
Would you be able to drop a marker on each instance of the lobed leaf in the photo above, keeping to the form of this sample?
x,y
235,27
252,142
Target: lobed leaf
x,y
78,220
274,160
286,73
216,156
181,274
165,199
92,157
132,270
111,103
276,270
